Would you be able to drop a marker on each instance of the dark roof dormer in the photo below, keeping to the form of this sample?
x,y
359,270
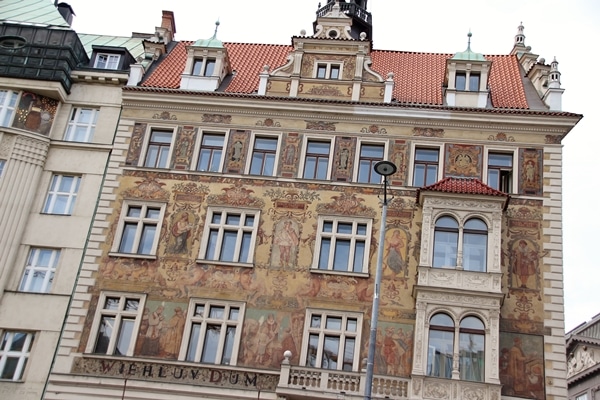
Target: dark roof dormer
x,y
355,10
207,64
111,58
466,80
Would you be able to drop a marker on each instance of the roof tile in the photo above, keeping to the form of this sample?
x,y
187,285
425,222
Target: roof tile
x,y
456,185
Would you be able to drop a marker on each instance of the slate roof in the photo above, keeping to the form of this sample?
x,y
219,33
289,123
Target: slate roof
x,y
418,76
39,12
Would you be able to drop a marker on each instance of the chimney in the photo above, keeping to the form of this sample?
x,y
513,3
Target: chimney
x,y
66,11
168,21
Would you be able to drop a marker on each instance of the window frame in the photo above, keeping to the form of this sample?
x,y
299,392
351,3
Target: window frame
x,y
198,149
460,244
23,355
204,322
252,150
73,124
335,236
322,331
203,67
466,85
108,64
148,142
415,162
222,227
119,315
372,161
328,67
8,105
28,278
305,154
124,218
513,170
53,193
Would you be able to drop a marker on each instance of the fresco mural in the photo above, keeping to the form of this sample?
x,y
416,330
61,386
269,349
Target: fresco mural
x,y
522,365
393,354
135,144
343,156
184,147
530,167
463,160
35,113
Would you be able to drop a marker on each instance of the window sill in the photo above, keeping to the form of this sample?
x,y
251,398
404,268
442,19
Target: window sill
x,y
133,255
344,273
224,263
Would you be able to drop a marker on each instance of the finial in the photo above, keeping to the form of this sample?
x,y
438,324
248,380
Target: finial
x,y
217,23
469,40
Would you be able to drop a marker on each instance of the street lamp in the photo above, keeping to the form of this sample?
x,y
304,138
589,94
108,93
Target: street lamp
x,y
385,169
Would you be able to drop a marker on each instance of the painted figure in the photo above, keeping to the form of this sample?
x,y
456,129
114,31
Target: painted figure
x,y
287,240
181,231
524,262
394,246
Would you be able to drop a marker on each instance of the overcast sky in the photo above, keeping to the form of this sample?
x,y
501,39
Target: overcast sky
x,y
567,30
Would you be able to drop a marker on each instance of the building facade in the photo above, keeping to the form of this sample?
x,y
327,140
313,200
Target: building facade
x,y
233,250
60,100
583,360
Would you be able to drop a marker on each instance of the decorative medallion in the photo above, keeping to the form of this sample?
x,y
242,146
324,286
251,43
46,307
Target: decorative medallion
x,y
216,118
553,139
321,125
463,160
165,115
236,196
428,132
501,137
268,122
374,129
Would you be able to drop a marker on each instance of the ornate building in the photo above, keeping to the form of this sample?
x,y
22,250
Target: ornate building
x,y
234,246
583,360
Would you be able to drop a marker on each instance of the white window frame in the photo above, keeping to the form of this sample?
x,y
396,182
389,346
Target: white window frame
x,y
515,164
119,315
261,135
198,148
328,66
334,236
205,60
146,146
8,104
75,124
141,222
54,193
111,61
322,331
206,320
312,139
222,227
428,146
22,355
360,143
33,267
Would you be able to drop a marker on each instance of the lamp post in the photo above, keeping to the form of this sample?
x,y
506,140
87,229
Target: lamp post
x,y
385,169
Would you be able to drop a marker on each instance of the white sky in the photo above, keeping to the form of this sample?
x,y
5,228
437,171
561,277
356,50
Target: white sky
x,y
567,30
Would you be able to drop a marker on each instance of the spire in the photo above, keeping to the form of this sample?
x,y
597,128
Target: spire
x,y
554,76
520,36
469,54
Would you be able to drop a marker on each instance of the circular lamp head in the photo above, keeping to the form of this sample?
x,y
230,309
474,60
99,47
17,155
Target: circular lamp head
x,y
385,168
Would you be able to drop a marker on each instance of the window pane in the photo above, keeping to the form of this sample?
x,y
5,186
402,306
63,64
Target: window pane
x,y
311,354
321,71
153,213
335,72
212,245
474,82
342,255
217,312
234,313
125,335
249,220
112,303
439,360
471,356
427,155
324,253
197,70
245,247
134,212
461,81
500,160
228,247
474,252
349,354
210,67
128,238
351,325
445,249
233,219
106,329
344,227
315,321
147,239
10,368
359,256
331,348
333,323
193,345
228,346
211,341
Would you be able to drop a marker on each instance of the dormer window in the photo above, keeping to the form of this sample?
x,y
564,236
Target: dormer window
x,y
107,61
204,66
328,71
472,78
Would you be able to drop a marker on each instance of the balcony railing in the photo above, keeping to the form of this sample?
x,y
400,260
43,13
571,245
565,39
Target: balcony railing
x,y
350,9
299,382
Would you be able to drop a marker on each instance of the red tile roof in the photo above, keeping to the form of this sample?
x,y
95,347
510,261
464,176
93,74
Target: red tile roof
x,y
418,77
453,184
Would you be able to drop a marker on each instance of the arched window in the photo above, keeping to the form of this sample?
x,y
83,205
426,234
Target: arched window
x,y
441,346
471,349
445,242
475,245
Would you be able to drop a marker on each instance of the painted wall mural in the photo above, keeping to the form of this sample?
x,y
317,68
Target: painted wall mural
x,y
184,147
522,365
343,157
463,160
530,167
237,149
135,144
35,113
290,155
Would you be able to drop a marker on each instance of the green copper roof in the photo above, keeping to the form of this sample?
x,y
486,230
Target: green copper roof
x,y
134,45
39,12
212,42
468,54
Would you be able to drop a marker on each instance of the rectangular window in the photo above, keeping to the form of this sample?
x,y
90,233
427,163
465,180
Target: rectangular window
x,y
343,245
328,71
425,167
8,100
15,349
211,152
139,228
81,125
263,156
582,397
61,195
117,321
500,168
369,155
230,235
461,81
159,146
474,82
204,66
316,160
107,61
39,270
213,332
332,340
2,164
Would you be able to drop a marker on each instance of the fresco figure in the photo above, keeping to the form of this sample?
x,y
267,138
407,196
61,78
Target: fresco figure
x,y
151,345
287,241
170,339
181,232
395,245
524,262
